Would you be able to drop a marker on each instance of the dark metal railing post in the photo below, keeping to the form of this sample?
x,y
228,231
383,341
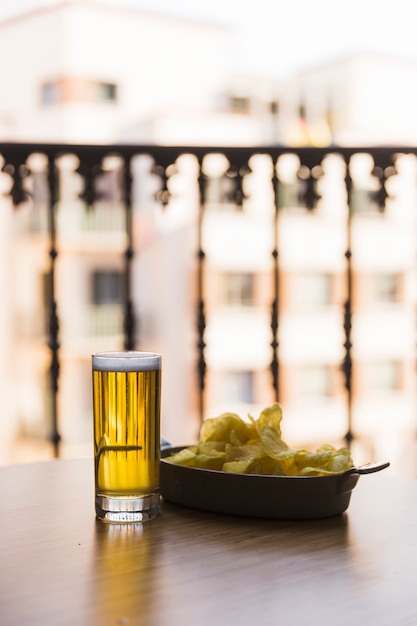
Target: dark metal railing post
x,y
347,364
275,288
201,315
53,326
129,323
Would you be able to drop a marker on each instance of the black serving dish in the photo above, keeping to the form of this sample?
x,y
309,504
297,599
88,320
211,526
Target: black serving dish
x,y
253,495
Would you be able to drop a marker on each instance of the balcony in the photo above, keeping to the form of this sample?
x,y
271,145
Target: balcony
x,y
260,273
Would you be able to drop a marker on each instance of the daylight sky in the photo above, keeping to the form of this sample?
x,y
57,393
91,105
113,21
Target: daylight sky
x,y
277,37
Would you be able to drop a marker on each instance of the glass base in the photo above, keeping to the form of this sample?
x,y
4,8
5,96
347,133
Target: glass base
x,y
126,510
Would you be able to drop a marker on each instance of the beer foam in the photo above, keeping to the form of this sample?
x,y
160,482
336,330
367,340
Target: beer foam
x,y
126,361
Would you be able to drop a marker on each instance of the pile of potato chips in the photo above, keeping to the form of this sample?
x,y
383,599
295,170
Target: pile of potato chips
x,y
230,444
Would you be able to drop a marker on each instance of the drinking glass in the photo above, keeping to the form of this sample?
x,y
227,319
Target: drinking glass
x,y
126,406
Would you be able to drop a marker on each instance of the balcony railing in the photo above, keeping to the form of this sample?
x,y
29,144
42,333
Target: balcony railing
x,y
330,219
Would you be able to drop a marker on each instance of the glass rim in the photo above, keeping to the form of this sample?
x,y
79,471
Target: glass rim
x,y
126,361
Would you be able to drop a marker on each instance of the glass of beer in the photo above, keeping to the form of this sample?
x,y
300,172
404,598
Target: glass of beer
x,y
126,405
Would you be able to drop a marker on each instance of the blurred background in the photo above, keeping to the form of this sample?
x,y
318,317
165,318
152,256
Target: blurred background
x,y
212,73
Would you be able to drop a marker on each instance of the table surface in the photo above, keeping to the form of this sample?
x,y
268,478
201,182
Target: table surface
x,y
59,565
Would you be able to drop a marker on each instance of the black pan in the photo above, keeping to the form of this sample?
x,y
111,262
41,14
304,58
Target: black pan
x,y
252,495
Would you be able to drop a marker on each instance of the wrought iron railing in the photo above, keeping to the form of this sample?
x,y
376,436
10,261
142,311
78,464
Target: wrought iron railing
x,y
310,170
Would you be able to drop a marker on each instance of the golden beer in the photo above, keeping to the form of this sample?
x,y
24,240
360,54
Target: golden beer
x,y
126,403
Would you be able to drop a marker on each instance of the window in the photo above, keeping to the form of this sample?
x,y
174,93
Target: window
x,y
51,93
288,195
310,290
107,186
238,289
314,381
387,287
237,387
75,89
273,107
107,287
221,190
362,201
385,376
40,191
239,104
106,91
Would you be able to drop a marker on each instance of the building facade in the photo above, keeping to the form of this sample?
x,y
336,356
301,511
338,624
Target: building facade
x,y
102,73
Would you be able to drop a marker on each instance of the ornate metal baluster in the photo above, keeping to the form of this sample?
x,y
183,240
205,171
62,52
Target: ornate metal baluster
x,y
163,194
53,326
308,174
347,363
89,168
17,169
201,316
275,290
237,174
383,169
129,323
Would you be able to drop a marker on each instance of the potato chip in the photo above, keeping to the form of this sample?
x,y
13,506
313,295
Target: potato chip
x,y
214,460
265,465
186,456
340,461
236,467
312,459
228,427
208,446
246,453
268,426
230,444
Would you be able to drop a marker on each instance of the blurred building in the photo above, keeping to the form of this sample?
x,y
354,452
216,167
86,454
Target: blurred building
x,y
367,98
91,72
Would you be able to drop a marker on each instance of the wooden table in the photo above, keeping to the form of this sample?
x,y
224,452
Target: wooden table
x,y
59,565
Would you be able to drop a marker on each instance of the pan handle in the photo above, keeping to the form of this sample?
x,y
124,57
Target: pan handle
x,y
349,478
368,468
